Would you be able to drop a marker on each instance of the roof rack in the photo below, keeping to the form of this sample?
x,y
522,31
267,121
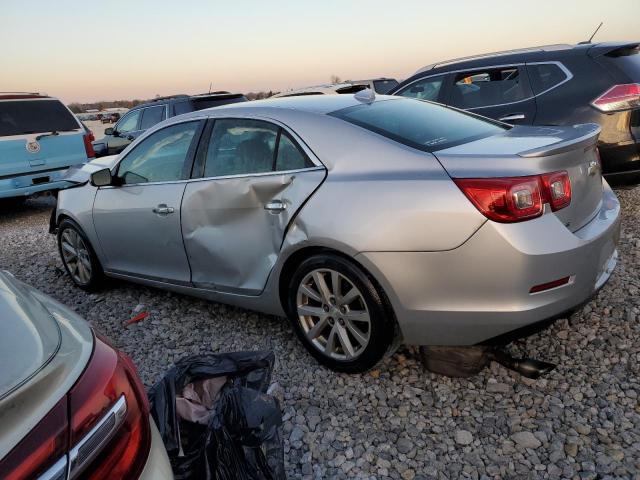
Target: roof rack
x,y
543,48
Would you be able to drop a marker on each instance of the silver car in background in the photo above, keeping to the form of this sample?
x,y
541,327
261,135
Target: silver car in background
x,y
71,406
365,220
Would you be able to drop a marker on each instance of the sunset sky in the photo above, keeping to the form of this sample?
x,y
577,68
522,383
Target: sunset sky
x,y
116,49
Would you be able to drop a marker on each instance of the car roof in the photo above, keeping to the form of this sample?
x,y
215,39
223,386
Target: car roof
x,y
530,54
320,104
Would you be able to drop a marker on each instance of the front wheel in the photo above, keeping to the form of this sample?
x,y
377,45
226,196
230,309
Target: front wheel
x,y
79,259
338,314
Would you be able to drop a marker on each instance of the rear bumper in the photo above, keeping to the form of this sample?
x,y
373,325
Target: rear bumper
x,y
157,466
621,160
481,289
23,185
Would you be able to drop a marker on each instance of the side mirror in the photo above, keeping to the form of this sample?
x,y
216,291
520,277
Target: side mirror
x,y
101,178
109,131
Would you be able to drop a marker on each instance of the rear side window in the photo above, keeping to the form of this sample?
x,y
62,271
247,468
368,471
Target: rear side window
x,y
545,76
485,88
425,89
182,107
290,157
151,116
21,117
240,147
384,86
422,125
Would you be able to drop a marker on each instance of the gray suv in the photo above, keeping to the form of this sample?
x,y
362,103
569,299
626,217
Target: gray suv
x,y
142,117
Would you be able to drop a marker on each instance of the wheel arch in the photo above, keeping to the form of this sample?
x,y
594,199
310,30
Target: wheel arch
x,y
295,259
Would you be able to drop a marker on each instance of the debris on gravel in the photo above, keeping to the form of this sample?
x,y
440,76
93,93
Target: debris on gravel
x,y
397,421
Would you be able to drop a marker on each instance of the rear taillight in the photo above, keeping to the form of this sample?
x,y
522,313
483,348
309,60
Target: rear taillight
x,y
43,446
619,97
106,435
514,199
110,432
88,147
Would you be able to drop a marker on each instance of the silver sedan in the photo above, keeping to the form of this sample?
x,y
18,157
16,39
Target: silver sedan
x,y
367,221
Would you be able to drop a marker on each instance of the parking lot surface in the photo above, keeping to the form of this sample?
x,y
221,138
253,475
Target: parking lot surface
x,y
397,421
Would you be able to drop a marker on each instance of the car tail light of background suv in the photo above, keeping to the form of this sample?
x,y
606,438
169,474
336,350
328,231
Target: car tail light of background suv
x,y
88,146
514,199
100,429
619,97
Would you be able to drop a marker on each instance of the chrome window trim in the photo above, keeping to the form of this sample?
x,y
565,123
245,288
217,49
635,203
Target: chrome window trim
x,y
222,177
318,165
57,471
564,69
118,412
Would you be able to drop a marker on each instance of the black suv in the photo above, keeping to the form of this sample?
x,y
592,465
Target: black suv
x,y
553,85
144,116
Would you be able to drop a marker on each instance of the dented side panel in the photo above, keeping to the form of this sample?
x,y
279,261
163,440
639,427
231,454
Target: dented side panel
x,y
232,240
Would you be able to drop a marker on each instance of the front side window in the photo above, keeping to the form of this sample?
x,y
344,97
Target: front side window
x,y
422,125
425,89
484,88
239,146
544,76
129,122
160,157
151,116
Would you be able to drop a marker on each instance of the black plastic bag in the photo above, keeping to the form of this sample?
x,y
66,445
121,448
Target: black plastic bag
x,y
242,438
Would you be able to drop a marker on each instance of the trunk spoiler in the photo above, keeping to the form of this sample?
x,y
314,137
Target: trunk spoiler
x,y
586,136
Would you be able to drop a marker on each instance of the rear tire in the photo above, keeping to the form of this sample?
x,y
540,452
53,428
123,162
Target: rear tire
x,y
78,257
339,314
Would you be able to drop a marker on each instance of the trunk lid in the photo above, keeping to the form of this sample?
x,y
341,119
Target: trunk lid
x,y
31,336
523,151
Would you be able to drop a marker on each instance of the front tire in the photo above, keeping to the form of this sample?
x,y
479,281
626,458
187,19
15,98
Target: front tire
x,y
338,314
78,257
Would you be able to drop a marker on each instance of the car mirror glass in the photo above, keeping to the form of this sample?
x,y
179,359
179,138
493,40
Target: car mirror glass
x,y
109,131
101,178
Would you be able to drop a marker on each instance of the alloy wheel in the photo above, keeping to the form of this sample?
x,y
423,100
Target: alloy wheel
x,y
333,314
76,257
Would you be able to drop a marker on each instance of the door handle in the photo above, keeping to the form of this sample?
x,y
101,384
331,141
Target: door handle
x,y
162,209
512,116
275,206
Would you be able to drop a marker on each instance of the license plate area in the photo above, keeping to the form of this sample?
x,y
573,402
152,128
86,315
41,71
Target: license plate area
x,y
40,180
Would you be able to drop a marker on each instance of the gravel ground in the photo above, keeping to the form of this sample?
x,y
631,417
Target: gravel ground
x,y
398,421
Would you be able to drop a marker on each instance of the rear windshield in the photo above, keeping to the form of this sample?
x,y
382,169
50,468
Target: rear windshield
x,y
628,60
209,102
422,125
22,117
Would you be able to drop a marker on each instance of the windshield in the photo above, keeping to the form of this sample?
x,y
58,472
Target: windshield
x,y
422,125
20,117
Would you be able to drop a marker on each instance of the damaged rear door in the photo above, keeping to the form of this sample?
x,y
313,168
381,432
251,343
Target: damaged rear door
x,y
254,178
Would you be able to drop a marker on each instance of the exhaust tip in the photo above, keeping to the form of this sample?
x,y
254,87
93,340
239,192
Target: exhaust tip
x,y
527,367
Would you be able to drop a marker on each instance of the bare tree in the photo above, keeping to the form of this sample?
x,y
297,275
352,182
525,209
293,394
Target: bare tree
x,y
335,79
